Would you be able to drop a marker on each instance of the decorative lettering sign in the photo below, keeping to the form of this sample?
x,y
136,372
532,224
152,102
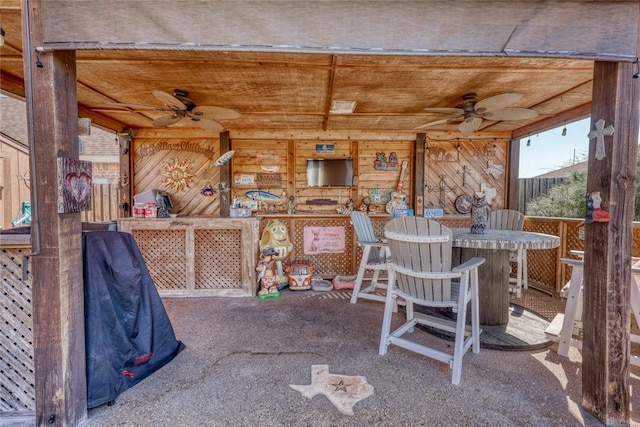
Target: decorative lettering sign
x,y
324,240
434,213
244,179
268,180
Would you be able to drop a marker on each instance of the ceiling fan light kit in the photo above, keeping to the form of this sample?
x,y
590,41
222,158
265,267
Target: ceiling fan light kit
x,y
472,112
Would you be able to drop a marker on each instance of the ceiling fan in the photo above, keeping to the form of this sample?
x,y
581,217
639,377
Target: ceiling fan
x,y
181,108
472,112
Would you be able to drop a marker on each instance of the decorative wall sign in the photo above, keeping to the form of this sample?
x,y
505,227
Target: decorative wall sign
x,y
326,148
269,180
465,171
493,169
324,240
384,164
440,155
146,149
268,161
177,174
442,188
599,133
434,213
244,179
485,151
74,185
489,192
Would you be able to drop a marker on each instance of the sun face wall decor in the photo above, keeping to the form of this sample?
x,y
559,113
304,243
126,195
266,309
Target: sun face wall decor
x,y
177,174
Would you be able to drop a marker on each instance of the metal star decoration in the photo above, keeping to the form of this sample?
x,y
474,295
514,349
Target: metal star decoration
x,y
343,391
599,133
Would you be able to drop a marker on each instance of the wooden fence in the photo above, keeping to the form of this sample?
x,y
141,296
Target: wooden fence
x,y
105,204
531,188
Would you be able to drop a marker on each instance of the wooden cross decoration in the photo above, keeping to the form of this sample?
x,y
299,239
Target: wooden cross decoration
x,y
599,133
443,188
465,171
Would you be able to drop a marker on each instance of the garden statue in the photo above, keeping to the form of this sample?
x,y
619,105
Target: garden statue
x,y
268,274
276,236
479,213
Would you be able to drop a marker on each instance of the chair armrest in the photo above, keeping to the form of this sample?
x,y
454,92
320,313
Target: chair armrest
x,y
469,264
573,262
376,244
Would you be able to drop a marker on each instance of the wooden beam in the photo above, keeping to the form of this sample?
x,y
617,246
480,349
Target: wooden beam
x,y
418,173
572,115
58,294
225,175
607,272
513,171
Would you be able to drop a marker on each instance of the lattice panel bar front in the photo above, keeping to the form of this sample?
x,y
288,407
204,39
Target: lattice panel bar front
x,y
325,264
164,253
226,270
17,375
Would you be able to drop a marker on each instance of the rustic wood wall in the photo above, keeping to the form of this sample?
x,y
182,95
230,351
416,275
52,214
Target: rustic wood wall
x,y
278,166
285,172
445,162
191,157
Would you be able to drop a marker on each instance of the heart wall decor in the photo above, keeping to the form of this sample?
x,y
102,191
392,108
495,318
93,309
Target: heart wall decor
x,y
74,185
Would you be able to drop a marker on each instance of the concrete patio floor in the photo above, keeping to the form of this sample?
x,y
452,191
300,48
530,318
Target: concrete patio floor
x,y
242,355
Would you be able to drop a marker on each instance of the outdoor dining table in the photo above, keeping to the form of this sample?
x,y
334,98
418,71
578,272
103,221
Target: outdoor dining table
x,y
493,275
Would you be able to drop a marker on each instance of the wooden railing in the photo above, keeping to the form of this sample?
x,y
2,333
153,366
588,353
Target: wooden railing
x,y
546,272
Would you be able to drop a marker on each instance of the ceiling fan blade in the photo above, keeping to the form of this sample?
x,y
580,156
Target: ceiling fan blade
x,y
497,102
511,114
471,124
169,100
165,121
435,123
457,112
203,122
120,107
218,113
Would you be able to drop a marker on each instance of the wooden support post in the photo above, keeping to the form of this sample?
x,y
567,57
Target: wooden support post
x,y
125,207
513,186
58,293
607,267
225,176
418,173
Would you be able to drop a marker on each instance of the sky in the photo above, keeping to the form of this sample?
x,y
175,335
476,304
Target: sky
x,y
550,150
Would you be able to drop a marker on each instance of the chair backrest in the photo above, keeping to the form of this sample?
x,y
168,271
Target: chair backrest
x,y
506,219
363,227
420,247
364,232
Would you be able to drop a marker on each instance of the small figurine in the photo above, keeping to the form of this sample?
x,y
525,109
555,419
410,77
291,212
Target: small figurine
x,y
347,208
276,235
268,274
292,206
479,213
595,213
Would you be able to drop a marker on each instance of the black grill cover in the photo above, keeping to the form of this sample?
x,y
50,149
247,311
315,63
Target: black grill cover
x,y
128,333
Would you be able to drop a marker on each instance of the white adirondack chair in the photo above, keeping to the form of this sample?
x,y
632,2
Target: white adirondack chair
x,y
375,253
565,327
507,219
420,273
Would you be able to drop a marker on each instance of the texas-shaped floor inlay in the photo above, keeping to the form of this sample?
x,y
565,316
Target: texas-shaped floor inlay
x,y
343,391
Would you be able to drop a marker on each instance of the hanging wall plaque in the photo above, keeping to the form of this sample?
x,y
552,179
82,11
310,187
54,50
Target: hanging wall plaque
x,y
268,161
